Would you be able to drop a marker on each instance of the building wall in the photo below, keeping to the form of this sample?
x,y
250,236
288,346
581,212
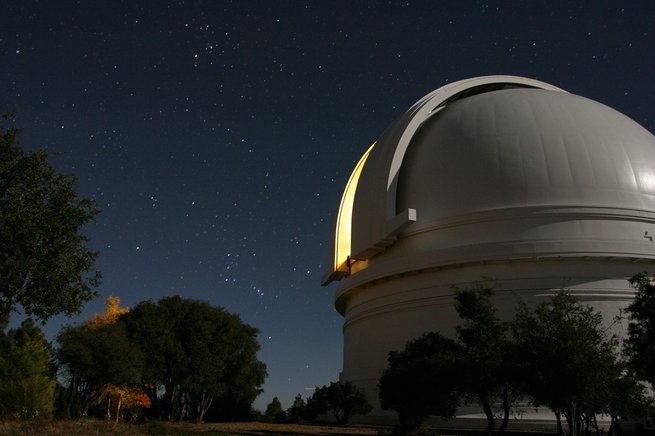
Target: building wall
x,y
385,315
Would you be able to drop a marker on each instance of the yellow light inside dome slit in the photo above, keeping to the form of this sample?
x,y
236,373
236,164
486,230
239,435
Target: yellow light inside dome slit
x,y
343,238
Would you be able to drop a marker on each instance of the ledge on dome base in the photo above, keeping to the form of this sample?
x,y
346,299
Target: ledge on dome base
x,y
345,269
394,226
332,276
340,272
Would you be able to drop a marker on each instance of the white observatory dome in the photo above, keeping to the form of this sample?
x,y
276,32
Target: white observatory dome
x,y
518,148
496,178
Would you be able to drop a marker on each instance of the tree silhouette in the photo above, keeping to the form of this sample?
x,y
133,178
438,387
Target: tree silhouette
x,y
640,343
27,383
422,380
45,259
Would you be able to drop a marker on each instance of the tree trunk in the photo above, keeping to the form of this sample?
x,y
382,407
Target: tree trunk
x,y
70,397
503,425
571,419
118,407
205,404
182,403
169,398
491,421
612,422
151,393
558,417
595,423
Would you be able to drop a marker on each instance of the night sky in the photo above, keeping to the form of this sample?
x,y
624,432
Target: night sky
x,y
217,137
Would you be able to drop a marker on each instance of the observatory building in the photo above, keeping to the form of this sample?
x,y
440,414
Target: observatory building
x,y
497,177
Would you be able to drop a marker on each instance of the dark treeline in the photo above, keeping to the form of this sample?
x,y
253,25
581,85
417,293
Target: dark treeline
x,y
184,355
557,355
177,359
341,400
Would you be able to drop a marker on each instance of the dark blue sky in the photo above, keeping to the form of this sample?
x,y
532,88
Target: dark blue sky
x,y
217,136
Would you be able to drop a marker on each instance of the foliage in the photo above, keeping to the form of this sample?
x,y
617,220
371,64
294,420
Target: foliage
x,y
567,360
312,409
298,410
194,353
45,260
26,373
487,353
112,311
422,380
274,411
556,354
129,397
124,398
93,359
344,399
626,397
182,355
27,382
640,343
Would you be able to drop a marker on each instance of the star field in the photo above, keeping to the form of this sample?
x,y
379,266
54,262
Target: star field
x,y
217,137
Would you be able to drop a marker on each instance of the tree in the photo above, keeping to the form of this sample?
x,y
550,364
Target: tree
x,y
566,358
312,408
344,399
296,412
422,380
154,327
302,410
27,383
94,359
44,259
194,353
626,397
639,346
487,352
274,411
112,311
122,396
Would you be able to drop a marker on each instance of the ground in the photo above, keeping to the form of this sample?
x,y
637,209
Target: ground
x,y
96,427
99,427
